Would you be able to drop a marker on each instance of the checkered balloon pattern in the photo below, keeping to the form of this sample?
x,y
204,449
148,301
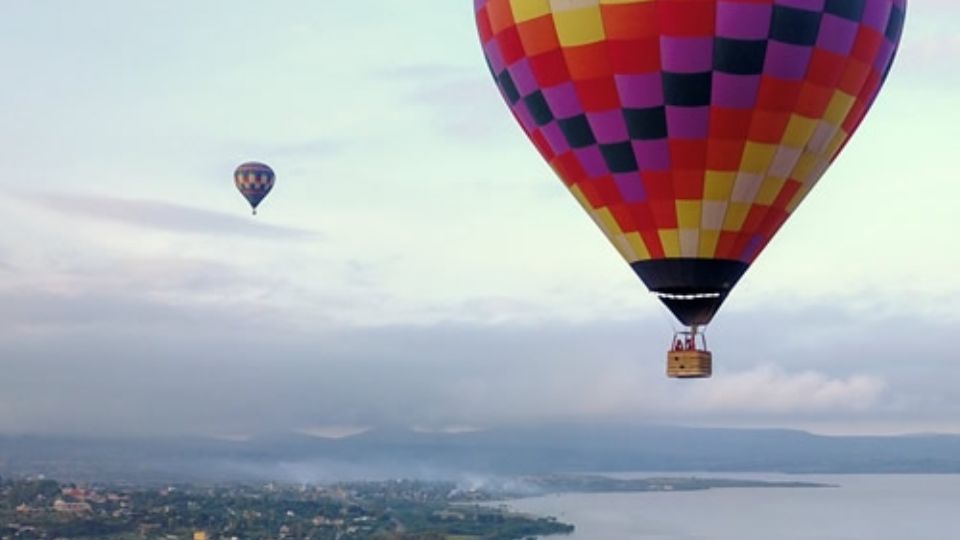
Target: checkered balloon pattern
x,y
254,180
689,128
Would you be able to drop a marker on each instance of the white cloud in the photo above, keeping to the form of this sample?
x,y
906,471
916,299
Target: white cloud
x,y
178,218
243,376
332,431
772,389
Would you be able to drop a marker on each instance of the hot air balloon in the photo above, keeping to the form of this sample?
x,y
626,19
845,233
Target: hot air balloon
x,y
254,180
689,130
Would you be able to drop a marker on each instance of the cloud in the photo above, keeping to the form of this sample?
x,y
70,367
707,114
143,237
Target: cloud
x,y
333,432
307,147
771,389
422,72
466,111
103,316
162,215
36,311
929,37
105,295
216,370
465,103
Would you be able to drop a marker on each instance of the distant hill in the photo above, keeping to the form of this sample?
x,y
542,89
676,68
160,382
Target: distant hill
x,y
506,451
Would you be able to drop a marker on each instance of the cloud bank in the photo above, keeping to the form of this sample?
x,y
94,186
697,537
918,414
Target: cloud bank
x,y
161,215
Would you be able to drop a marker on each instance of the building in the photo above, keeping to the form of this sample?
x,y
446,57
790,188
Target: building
x,y
62,506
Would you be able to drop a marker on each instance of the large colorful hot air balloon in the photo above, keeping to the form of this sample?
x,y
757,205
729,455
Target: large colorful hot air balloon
x,y
689,130
254,180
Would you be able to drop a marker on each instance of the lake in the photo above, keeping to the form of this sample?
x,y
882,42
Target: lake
x,y
862,507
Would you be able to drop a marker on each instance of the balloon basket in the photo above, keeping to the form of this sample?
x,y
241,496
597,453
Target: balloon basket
x,y
689,357
689,364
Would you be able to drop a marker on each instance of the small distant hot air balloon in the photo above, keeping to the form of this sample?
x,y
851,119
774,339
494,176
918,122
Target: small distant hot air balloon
x,y
689,130
254,180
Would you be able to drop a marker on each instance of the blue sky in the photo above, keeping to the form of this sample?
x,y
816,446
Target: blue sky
x,y
417,263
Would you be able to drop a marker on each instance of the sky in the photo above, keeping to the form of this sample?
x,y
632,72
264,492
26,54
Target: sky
x,y
417,263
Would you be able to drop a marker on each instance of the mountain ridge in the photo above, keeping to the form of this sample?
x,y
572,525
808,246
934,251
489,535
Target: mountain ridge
x,y
517,450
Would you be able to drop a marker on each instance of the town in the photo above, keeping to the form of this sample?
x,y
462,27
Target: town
x,y
40,508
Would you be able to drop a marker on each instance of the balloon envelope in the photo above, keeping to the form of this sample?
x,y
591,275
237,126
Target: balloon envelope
x,y
254,180
689,130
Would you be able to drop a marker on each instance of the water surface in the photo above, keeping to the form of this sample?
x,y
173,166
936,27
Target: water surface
x,y
862,507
